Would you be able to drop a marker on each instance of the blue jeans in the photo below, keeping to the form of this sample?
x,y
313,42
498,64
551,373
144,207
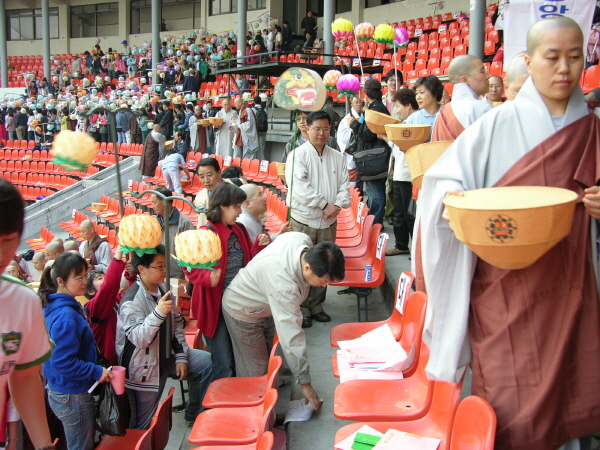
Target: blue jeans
x,y
199,378
221,350
121,138
376,201
76,413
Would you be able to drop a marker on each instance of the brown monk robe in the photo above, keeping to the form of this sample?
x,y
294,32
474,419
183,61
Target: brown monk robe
x,y
149,159
548,389
447,127
89,249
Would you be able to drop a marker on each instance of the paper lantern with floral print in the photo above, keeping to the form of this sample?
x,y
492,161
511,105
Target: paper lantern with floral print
x,y
384,34
139,233
74,150
364,31
198,249
341,28
331,78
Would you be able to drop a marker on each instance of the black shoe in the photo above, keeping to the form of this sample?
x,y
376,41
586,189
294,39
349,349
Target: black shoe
x,y
306,322
322,317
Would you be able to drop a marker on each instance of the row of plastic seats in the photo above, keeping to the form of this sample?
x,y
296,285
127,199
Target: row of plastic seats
x,y
241,411
38,244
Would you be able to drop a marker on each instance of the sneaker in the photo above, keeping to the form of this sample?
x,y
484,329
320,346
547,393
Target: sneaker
x,y
396,251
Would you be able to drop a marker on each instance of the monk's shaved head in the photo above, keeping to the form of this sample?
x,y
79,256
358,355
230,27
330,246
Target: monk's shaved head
x,y
549,25
71,245
53,249
461,65
86,225
517,69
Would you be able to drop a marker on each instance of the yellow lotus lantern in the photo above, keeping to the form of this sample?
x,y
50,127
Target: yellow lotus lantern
x,y
198,249
74,150
139,233
341,28
384,34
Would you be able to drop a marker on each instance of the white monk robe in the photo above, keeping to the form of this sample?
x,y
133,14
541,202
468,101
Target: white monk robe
x,y
474,161
223,135
343,136
464,109
249,128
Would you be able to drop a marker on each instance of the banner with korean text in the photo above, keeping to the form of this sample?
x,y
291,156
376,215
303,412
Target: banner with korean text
x,y
519,15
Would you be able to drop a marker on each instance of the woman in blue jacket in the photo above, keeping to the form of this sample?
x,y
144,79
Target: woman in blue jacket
x,y
72,369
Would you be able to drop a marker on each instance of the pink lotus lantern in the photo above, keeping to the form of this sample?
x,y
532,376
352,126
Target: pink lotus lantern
x,y
364,31
348,85
341,28
331,78
401,37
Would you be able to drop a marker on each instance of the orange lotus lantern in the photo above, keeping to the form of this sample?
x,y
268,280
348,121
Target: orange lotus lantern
x,y
38,129
198,249
34,123
74,150
155,99
139,233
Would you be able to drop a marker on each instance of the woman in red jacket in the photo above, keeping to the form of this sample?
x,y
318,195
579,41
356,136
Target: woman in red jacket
x,y
101,310
225,206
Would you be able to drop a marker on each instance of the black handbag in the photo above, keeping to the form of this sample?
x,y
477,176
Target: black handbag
x,y
109,411
373,164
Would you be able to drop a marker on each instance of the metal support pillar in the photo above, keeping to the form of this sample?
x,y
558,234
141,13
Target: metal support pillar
x,y
45,38
3,52
241,34
328,17
477,28
156,44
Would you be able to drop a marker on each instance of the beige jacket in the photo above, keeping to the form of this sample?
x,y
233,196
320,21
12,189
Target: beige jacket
x,y
317,181
272,285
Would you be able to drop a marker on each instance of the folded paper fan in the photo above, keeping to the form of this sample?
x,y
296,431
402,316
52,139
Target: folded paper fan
x,y
512,227
198,249
140,233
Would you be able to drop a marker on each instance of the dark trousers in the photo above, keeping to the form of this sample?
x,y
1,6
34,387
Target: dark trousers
x,y
403,222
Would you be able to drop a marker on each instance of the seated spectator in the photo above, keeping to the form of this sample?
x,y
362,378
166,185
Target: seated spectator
x,y
94,249
52,251
234,175
39,260
15,271
209,285
209,172
73,367
254,209
141,336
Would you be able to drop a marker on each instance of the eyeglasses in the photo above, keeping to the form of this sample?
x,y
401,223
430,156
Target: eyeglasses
x,y
160,268
258,196
321,130
497,86
80,280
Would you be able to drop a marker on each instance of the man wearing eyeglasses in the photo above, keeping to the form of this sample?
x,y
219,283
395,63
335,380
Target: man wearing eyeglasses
x,y
318,180
253,211
470,79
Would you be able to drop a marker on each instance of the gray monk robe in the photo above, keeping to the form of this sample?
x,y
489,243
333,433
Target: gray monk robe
x,y
534,332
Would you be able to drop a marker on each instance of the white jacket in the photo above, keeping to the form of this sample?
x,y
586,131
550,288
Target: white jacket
x,y
314,181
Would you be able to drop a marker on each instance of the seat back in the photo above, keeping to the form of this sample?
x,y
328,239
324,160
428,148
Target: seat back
x,y
145,442
474,425
163,414
414,322
266,441
268,405
274,366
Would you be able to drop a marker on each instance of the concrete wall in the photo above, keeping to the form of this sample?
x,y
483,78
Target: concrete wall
x,y
59,206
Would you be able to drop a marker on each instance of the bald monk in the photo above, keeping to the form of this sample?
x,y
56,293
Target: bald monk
x,y
496,89
516,75
470,79
153,149
39,260
532,336
71,245
52,250
94,248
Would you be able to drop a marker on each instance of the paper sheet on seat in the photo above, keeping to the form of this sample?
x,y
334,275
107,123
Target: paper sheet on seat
x,y
347,372
376,346
346,444
399,440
